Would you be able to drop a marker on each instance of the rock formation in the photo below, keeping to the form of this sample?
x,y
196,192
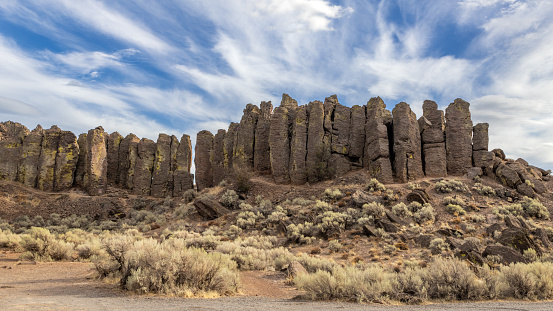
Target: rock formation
x,y
298,146
11,143
66,161
377,143
29,158
262,157
407,144
96,164
279,142
202,160
144,166
432,125
458,132
162,174
182,178
114,141
47,159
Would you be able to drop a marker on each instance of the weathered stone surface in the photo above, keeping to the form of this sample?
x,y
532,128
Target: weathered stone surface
x,y
202,160
142,181
218,162
329,106
161,172
298,147
175,144
66,161
512,222
316,162
507,175
295,269
209,209
359,198
490,230
128,155
47,159
12,135
357,133
526,190
483,158
114,141
377,147
245,138
407,144
507,254
262,158
96,164
288,102
381,169
519,239
435,131
27,171
418,195
424,240
386,224
458,131
81,162
369,231
182,179
341,129
435,160
542,235
480,137
228,151
339,165
280,145
499,154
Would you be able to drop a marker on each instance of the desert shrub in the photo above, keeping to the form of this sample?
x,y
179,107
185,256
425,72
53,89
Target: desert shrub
x,y
492,285
374,209
456,210
233,232
302,202
9,239
530,255
266,207
171,268
189,195
484,190
528,281
478,218
249,257
182,211
470,229
390,195
331,222
335,246
242,179
207,242
375,185
230,199
414,206
301,233
448,186
89,249
425,214
248,219
451,279
278,215
453,200
438,245
389,249
409,284
333,194
40,244
413,185
534,208
401,210
322,206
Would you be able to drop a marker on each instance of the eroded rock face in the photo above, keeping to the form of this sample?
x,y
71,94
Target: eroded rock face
x,y
228,151
458,131
480,138
341,129
245,137
128,154
96,164
407,142
432,125
182,179
142,180
279,143
316,149
29,158
298,147
66,161
12,135
47,159
162,175
202,160
114,141
80,170
377,147
357,134
218,162
262,157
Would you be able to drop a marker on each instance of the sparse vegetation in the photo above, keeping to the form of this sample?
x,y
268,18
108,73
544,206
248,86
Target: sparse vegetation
x,y
448,186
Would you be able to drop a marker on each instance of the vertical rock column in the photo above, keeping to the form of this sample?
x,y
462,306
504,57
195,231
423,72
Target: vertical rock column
x,y
27,171
357,134
202,160
47,160
128,155
81,162
341,122
298,147
262,157
228,148
458,137
66,161
315,164
407,144
433,140
143,169
96,164
161,172
245,138
218,162
377,146
12,136
114,142
279,143
481,157
182,179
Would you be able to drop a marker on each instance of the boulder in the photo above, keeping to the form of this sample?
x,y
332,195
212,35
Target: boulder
x,y
294,269
316,159
218,162
66,161
114,141
506,254
12,135
518,239
469,246
298,147
483,158
202,160
357,133
454,243
261,158
386,224
182,179
512,222
458,131
209,209
499,154
542,235
424,240
490,230
280,145
473,172
369,231
47,159
128,154
95,178
480,138
142,181
395,219
471,256
418,195
245,138
358,198
29,160
161,171
507,175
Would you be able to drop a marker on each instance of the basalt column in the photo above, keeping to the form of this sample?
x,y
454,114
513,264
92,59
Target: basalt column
x,y
407,144
481,157
114,141
245,138
316,149
161,173
203,159
298,147
81,162
262,157
29,159
357,135
341,123
142,180
128,154
182,179
228,149
218,162
458,137
12,136
47,160
279,143
433,140
377,146
66,161
96,164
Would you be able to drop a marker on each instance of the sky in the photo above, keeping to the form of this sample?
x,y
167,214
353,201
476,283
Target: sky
x,y
181,66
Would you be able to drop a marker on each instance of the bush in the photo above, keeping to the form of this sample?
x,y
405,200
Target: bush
x,y
189,195
534,208
453,200
335,246
528,281
375,185
448,186
438,245
333,194
242,179
248,219
455,210
9,240
331,223
230,199
374,209
40,244
484,190
425,214
401,210
451,279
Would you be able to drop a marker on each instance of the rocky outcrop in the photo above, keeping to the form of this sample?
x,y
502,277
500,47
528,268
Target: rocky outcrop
x,y
27,170
96,165
80,170
128,154
357,134
458,132
245,135
114,142
432,126
407,144
47,159
315,161
66,161
182,178
377,144
228,149
202,160
12,136
162,174
279,142
481,157
142,180
298,144
218,162
262,157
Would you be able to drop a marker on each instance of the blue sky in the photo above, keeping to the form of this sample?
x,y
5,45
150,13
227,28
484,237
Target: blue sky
x,y
178,67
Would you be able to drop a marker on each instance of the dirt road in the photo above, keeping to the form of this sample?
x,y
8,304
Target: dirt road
x,y
71,286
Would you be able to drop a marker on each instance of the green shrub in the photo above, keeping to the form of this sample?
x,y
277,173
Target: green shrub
x,y
438,245
528,281
425,214
335,246
530,255
374,209
534,208
40,244
484,190
401,210
453,200
455,210
230,199
451,279
331,223
448,186
248,219
375,185
333,194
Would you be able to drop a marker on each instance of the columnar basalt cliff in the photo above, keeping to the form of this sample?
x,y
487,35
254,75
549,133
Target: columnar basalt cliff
x,y
56,160
322,140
